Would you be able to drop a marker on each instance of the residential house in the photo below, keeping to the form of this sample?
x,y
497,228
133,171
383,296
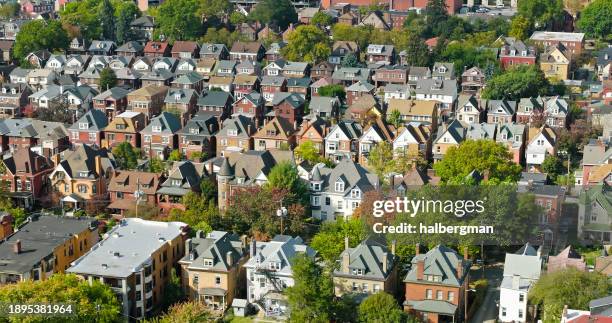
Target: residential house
x,y
6,51
296,69
157,49
324,107
79,98
289,106
470,109
212,269
181,102
135,259
102,47
159,137
530,110
313,130
81,178
555,64
41,78
556,112
130,48
277,133
185,65
224,83
342,141
206,67
245,84
299,86
184,177
395,91
274,51
214,51
436,285
363,109
374,134
501,111
190,80
248,68
595,154
122,192
248,30
45,245
384,54
349,75
368,268
516,53
271,85
512,135
250,106
449,135
143,26
185,49
78,45
148,100
269,272
321,70
89,128
342,48
226,68
19,75
316,85
413,139
390,74
125,127
421,111
541,143
25,177
217,103
443,91
13,99
568,258
374,19
112,101
348,18
46,138
603,63
443,71
521,271
573,42
472,80
235,135
38,59
198,136
357,90
594,209
247,51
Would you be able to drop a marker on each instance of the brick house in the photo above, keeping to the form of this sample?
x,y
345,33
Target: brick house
x,y
112,101
340,49
159,136
357,90
390,74
342,141
247,51
13,99
289,106
25,176
184,177
501,111
89,129
277,133
181,102
185,49
124,184
472,80
271,85
436,285
199,136
245,84
380,54
125,127
321,70
516,53
252,106
217,103
157,49
46,138
314,130
235,135
148,100
573,42
529,109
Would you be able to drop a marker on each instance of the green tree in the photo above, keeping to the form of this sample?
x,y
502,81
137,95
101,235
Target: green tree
x,y
236,18
480,155
199,212
541,12
108,78
329,242
516,83
107,20
214,8
274,12
208,189
222,36
126,156
569,287
126,13
178,20
95,302
321,19
417,52
380,307
520,28
9,10
175,155
351,60
380,159
595,19
311,297
334,91
156,165
40,34
285,176
436,14
395,118
173,291
462,54
192,311
307,151
553,166
307,43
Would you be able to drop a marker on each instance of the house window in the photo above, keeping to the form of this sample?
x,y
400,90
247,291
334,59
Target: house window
x,y
217,280
82,188
358,271
165,140
176,182
83,125
365,288
439,295
28,185
429,294
340,205
232,132
520,313
93,136
275,266
315,201
503,311
18,185
355,193
208,262
521,298
451,296
316,186
262,282
376,288
157,128
196,278
75,135
339,186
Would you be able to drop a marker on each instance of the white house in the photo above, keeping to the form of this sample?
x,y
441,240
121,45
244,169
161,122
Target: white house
x,y
469,109
396,91
540,145
443,91
341,142
339,191
269,271
521,270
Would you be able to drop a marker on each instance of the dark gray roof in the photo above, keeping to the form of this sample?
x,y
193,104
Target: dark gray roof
x,y
440,261
239,123
294,99
143,22
604,56
215,49
166,121
131,47
81,162
368,256
217,246
200,126
39,237
214,99
352,174
95,119
299,82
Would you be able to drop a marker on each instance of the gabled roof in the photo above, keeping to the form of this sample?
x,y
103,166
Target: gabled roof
x,y
26,161
156,47
143,22
182,96
360,86
214,99
457,129
280,127
246,47
166,121
131,47
352,174
127,181
440,261
218,247
181,46
412,107
369,256
502,107
282,249
525,263
240,123
115,93
81,163
294,99
95,119
206,125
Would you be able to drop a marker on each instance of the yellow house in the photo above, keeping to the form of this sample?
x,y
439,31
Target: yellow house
x,y
45,245
212,268
449,135
367,269
82,176
425,112
555,64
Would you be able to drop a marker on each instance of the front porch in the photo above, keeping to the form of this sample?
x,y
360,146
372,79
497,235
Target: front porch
x,y
71,203
213,298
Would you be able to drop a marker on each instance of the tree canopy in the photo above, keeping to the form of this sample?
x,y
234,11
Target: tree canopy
x,y
108,78
380,307
308,151
541,12
322,19
569,287
61,288
311,298
329,241
274,12
178,20
126,155
40,34
516,83
307,43
595,19
479,155
334,91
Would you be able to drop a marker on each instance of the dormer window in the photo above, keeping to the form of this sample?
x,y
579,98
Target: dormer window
x,y
524,53
13,91
339,186
358,271
316,187
442,69
120,126
157,128
355,193
275,265
83,125
208,262
83,174
177,96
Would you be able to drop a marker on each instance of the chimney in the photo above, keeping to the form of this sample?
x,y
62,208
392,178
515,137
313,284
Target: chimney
x,y
253,247
188,246
229,259
17,247
249,129
420,269
393,243
346,260
516,279
346,243
384,262
98,165
295,124
417,249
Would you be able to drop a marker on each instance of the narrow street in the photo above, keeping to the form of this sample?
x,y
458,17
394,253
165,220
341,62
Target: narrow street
x,y
488,310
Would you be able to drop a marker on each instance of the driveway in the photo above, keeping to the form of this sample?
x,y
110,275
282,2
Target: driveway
x,y
487,312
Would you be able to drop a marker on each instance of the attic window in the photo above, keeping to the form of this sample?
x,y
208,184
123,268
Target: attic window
x,y
275,265
83,125
83,174
339,186
358,271
208,262
355,193
157,129
194,131
120,126
176,182
232,132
